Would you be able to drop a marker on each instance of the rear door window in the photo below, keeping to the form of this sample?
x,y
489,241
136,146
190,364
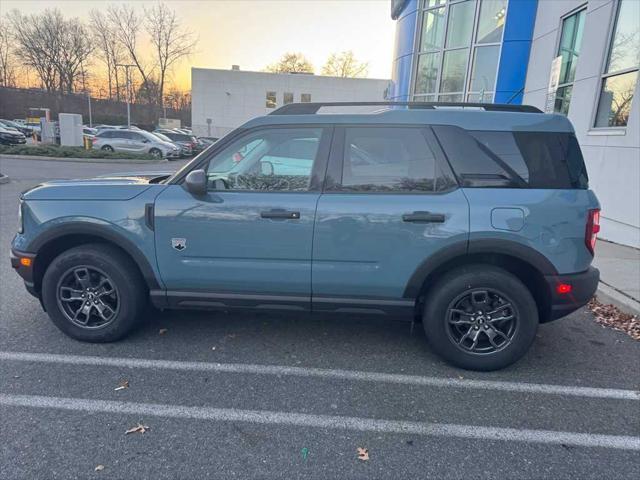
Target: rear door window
x,y
387,159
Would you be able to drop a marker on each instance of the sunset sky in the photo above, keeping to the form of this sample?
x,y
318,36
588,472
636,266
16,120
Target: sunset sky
x,y
254,33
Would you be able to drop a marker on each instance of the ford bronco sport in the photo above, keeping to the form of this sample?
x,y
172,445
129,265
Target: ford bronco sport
x,y
475,218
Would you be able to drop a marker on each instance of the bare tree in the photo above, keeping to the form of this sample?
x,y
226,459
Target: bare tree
x,y
291,63
75,49
127,25
345,64
170,41
7,59
37,45
111,51
54,47
177,99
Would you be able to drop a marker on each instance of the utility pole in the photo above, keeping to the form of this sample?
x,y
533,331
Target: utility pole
x,y
84,86
126,68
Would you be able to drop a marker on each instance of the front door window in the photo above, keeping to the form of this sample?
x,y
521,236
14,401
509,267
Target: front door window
x,y
275,159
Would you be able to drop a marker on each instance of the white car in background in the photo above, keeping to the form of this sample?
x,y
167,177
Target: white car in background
x,y
134,141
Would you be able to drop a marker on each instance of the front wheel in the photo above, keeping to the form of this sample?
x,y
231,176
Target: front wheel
x,y
92,294
480,317
155,153
107,148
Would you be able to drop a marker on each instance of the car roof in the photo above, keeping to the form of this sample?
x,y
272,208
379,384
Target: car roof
x,y
467,118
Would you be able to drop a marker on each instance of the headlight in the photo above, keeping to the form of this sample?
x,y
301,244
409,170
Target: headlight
x,y
20,217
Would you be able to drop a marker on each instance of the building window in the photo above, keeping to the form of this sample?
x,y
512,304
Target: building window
x,y
305,97
458,50
271,100
287,97
621,72
569,50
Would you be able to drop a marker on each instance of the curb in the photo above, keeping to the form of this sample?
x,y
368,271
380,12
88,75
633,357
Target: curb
x,y
80,160
607,294
4,179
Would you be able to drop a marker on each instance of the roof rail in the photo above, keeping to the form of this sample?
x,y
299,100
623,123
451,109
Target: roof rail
x,y
313,107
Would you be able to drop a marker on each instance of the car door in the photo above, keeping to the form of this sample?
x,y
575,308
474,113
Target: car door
x,y
120,140
247,242
390,205
138,143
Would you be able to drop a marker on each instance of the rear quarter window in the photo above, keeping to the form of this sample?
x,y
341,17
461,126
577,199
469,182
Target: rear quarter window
x,y
514,159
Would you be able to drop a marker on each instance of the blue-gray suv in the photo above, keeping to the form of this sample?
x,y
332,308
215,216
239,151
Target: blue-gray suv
x,y
476,219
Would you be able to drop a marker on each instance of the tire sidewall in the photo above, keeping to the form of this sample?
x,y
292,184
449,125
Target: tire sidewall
x,y
457,282
110,261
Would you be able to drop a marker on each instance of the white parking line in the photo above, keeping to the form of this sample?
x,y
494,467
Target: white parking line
x,y
324,421
278,370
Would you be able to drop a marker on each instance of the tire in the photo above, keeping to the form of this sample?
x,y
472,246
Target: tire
x,y
76,278
107,148
155,153
489,341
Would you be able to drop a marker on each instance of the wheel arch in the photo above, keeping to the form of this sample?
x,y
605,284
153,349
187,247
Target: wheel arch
x,y
51,243
528,265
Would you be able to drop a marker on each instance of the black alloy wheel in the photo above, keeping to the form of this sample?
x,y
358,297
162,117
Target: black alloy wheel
x,y
481,321
88,297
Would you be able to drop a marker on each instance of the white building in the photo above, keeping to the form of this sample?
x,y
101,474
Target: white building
x,y
225,99
599,42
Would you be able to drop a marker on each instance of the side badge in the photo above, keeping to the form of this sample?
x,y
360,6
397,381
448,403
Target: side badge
x,y
179,243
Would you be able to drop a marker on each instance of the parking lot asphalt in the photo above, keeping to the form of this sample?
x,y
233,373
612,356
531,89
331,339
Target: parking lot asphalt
x,y
230,395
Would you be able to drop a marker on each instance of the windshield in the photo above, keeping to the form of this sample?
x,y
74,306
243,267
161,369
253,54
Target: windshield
x,y
162,137
147,135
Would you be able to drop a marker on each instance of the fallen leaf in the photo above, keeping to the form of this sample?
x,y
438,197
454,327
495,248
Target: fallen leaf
x,y
363,454
162,331
99,468
122,385
140,428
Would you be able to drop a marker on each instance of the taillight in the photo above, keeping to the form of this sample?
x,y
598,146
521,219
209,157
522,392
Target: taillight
x,y
593,227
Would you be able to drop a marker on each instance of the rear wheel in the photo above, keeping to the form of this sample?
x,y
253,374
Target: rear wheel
x,y
91,293
480,317
155,153
107,148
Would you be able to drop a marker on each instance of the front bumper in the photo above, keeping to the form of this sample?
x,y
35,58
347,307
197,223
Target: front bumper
x,y
26,272
583,287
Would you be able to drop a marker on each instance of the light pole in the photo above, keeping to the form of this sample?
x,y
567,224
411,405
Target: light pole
x,y
126,68
84,86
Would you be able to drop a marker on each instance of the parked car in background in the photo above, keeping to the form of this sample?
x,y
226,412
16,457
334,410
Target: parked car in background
x,y
89,132
164,138
187,143
134,141
11,136
22,128
206,141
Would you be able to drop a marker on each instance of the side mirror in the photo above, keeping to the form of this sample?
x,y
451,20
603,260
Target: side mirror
x,y
196,182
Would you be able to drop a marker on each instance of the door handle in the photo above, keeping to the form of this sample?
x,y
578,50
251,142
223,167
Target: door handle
x,y
279,214
423,217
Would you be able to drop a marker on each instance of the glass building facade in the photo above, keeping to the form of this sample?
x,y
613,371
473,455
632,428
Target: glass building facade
x,y
461,50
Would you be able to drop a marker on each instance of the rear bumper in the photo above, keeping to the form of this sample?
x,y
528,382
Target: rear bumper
x,y
583,287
